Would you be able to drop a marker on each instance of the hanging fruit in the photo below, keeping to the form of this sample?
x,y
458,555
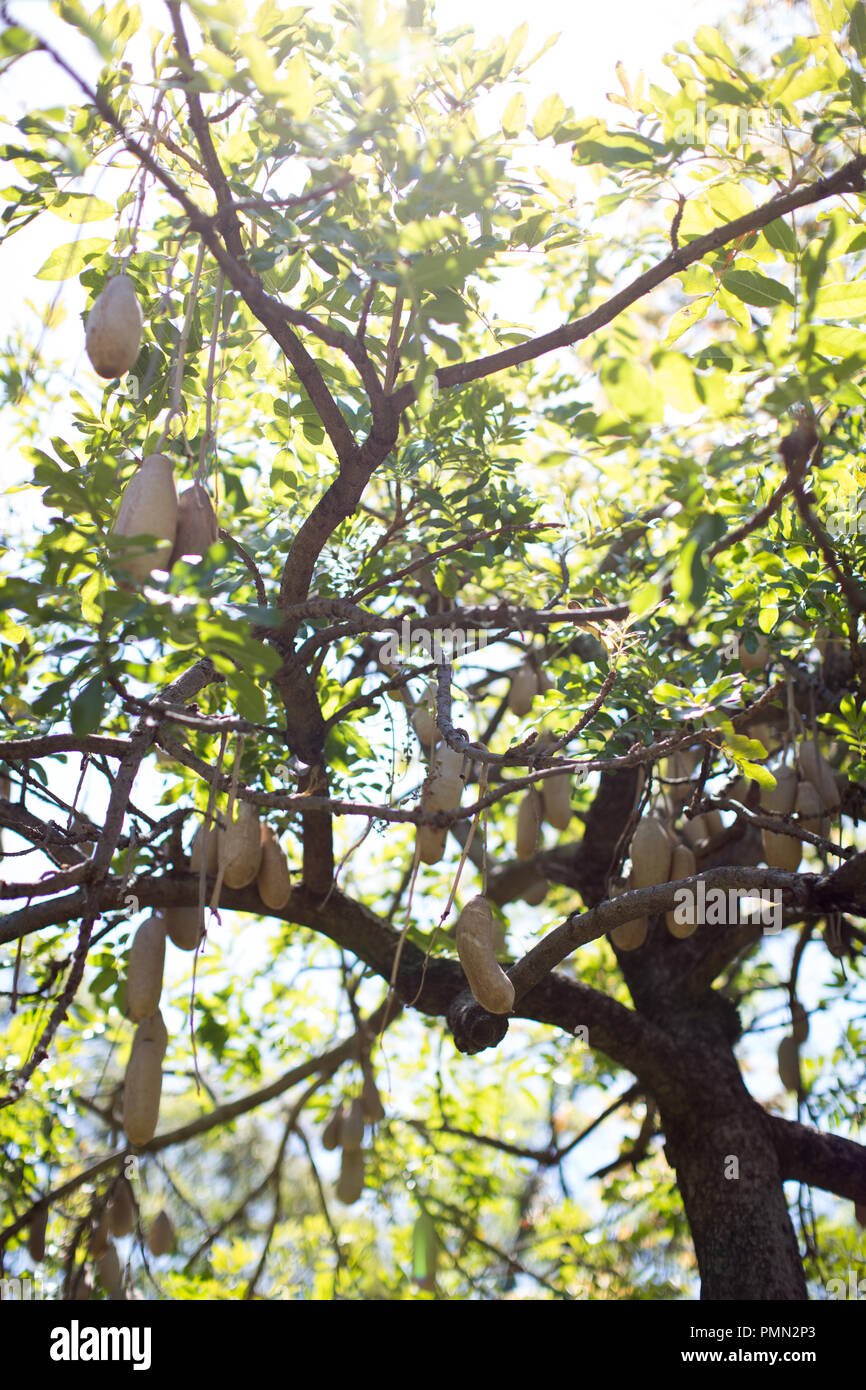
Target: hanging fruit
x,y
183,927
682,866
273,880
528,833
146,964
148,508
650,851
160,1236
196,525
241,847
113,333
475,934
523,690
142,1085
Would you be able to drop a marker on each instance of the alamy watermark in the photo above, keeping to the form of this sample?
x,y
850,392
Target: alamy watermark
x,y
440,645
721,907
739,124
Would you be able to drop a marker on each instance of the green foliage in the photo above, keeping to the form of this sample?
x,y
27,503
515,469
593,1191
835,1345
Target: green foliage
x,y
372,193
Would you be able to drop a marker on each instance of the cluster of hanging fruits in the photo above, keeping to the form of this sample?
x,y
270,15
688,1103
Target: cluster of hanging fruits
x,y
113,1215
345,1131
150,507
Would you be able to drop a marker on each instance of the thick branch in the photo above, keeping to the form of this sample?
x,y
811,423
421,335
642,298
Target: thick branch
x,y
849,177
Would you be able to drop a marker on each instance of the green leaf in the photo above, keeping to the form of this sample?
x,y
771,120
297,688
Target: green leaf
x,y
857,29
841,301
69,260
87,708
249,700
77,208
514,116
548,116
757,289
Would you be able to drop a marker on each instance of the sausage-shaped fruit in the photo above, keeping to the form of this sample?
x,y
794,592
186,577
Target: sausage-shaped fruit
x,y
108,1269
121,1208
814,767
208,848
350,1183
36,1233
196,525
160,1235
146,964
332,1134
241,846
682,866
273,880
789,1064
782,851
148,508
556,795
528,824
183,927
113,333
142,1086
628,936
475,934
352,1134
650,853
524,688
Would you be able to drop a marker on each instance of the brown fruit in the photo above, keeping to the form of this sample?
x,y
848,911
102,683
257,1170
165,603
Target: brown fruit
x,y
673,769
650,853
82,1288
36,1233
183,927
814,767
536,892
442,791
332,1134
152,1030
789,1064
160,1236
352,1133
475,935
682,866
556,796
113,334
780,798
350,1183
757,660
108,1269
808,806
148,508
144,973
782,851
241,847
212,852
799,1023
121,1209
860,1213
142,1085
371,1101
695,830
715,824
100,1231
273,880
196,525
524,688
628,936
528,824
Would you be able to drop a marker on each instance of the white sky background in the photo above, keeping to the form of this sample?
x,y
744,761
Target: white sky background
x,y
580,68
